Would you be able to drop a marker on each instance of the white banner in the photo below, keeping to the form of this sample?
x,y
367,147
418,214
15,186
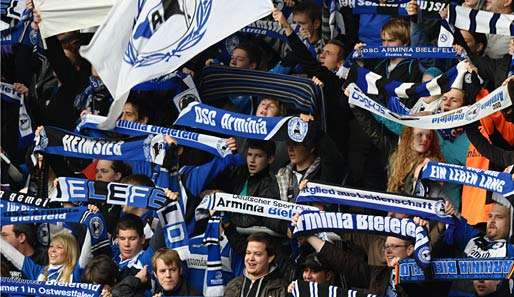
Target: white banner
x,y
140,41
59,16
495,101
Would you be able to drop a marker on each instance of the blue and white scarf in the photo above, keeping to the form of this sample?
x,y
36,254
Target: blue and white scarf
x,y
457,268
495,101
405,52
84,99
13,287
76,190
480,21
373,84
56,141
205,117
22,198
214,145
397,8
312,289
25,131
494,181
414,206
214,283
249,205
315,222
93,222
174,227
335,18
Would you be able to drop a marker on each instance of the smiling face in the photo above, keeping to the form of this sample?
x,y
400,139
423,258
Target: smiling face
x,y
167,275
396,247
56,252
498,222
421,140
130,243
318,276
257,260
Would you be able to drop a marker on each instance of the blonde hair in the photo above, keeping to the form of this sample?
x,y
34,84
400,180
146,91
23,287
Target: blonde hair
x,y
398,29
70,249
404,159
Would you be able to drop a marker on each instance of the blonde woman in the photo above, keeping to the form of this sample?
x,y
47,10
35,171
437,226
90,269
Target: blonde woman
x,y
62,260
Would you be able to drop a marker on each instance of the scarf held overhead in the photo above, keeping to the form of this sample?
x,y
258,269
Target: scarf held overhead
x,y
257,206
459,268
208,143
495,101
205,117
71,189
480,21
61,142
405,52
494,181
425,208
315,222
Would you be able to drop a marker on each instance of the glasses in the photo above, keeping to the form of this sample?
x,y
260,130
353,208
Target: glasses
x,y
390,247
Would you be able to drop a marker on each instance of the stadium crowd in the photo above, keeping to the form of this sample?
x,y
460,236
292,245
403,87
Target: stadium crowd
x,y
130,249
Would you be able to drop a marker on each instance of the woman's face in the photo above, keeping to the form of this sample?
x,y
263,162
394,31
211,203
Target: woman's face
x,y
56,253
421,140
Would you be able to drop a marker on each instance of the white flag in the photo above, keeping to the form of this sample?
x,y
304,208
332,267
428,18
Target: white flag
x,y
142,40
58,16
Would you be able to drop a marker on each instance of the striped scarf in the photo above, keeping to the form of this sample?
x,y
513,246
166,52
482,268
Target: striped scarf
x,y
480,21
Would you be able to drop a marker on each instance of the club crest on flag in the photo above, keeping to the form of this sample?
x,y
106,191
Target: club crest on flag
x,y
188,19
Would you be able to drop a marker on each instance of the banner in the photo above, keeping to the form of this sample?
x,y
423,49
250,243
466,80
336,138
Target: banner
x,y
315,222
256,206
59,16
70,189
425,208
417,52
214,145
495,101
11,286
494,181
458,268
139,32
56,141
480,21
205,117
